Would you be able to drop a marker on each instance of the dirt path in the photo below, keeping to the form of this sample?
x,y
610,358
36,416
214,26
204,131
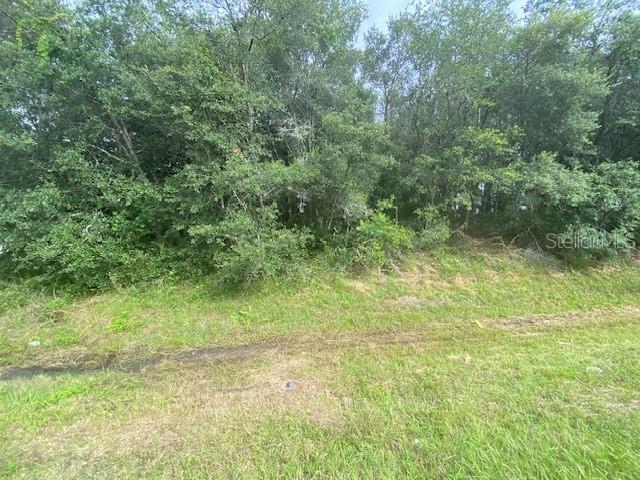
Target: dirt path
x,y
90,363
222,354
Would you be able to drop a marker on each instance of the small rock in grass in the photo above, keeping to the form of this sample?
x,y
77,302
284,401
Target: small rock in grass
x,y
288,385
34,343
592,369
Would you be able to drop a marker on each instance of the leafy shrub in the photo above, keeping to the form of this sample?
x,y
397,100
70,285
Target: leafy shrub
x,y
86,230
279,252
245,247
617,202
378,241
586,242
572,211
435,227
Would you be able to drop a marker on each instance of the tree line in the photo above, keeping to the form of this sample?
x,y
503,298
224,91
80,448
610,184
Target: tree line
x,y
139,138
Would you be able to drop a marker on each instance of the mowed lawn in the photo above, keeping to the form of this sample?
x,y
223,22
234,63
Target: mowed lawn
x,y
466,363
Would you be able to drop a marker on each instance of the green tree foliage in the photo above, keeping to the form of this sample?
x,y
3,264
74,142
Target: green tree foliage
x,y
553,92
240,137
619,136
512,125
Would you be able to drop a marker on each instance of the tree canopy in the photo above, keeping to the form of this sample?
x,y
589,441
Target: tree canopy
x,y
238,137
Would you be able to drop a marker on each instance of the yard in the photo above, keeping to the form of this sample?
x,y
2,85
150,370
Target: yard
x,y
463,364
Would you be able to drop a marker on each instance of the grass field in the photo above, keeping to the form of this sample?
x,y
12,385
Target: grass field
x,y
466,363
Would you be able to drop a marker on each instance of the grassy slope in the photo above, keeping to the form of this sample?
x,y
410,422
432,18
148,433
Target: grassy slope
x,y
466,364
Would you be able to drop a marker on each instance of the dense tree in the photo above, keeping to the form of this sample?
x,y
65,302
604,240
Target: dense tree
x,y
619,135
239,137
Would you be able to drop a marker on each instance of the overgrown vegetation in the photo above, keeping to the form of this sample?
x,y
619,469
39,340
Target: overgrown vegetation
x,y
465,363
140,138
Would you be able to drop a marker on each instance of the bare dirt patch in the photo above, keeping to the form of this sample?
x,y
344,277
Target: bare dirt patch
x,y
58,364
464,358
565,319
359,286
625,407
407,301
422,275
460,281
410,302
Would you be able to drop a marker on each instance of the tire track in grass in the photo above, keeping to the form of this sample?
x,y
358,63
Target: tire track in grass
x,y
92,363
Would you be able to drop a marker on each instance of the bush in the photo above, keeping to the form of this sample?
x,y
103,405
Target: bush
x,y
244,247
80,229
378,241
279,252
435,227
573,212
589,243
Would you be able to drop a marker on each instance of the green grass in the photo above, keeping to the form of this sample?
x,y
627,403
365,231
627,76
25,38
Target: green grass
x,y
466,364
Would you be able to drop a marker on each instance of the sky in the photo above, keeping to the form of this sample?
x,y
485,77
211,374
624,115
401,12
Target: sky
x,y
378,11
